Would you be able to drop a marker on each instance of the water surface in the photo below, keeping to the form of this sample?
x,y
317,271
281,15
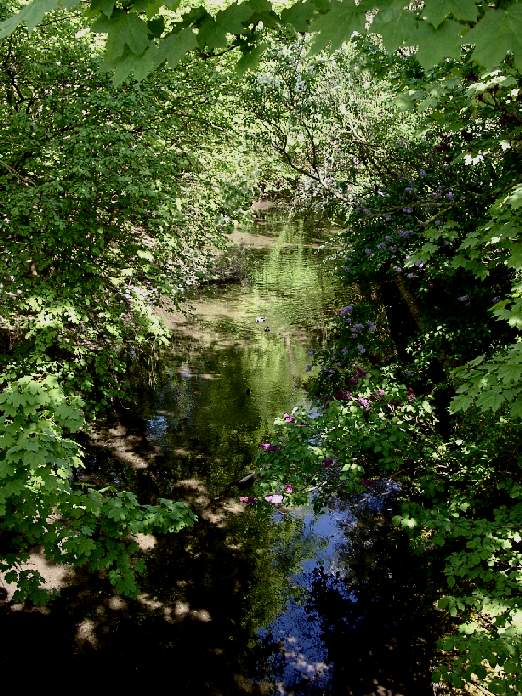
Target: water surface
x,y
250,600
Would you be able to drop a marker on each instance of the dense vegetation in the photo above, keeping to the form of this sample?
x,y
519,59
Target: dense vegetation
x,y
112,203
422,381
115,195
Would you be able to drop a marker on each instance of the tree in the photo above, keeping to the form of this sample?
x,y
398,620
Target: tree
x,y
144,34
111,201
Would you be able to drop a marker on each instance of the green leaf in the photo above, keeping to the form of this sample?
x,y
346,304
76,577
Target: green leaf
x,y
105,6
250,59
145,255
156,26
31,15
436,11
135,33
299,15
234,17
123,30
396,26
496,34
336,26
436,44
173,48
139,67
515,198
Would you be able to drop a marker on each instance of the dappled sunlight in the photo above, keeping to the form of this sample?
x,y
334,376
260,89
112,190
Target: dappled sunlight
x,y
55,576
129,448
250,595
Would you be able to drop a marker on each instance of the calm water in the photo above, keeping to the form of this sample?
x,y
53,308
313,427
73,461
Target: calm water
x,y
250,601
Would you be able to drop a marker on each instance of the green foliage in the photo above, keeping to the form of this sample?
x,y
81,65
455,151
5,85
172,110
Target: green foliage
x,y
142,35
409,138
41,506
102,214
432,241
111,203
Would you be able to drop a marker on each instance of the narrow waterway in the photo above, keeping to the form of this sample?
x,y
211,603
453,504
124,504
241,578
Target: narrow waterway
x,y
252,600
311,603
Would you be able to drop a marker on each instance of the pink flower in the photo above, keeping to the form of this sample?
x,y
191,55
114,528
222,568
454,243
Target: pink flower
x,y
247,499
364,402
289,488
268,447
288,418
275,498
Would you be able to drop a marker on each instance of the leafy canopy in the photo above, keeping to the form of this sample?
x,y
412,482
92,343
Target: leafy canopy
x,y
143,34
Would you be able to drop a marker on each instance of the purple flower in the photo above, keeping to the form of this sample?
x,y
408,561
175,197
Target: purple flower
x,y
360,373
380,392
422,173
275,498
404,233
381,245
357,327
247,499
368,483
397,269
411,394
343,395
407,210
368,252
361,349
327,462
289,488
450,195
408,189
372,326
288,418
346,310
268,447
363,402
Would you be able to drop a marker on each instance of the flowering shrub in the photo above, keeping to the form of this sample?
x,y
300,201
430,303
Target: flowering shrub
x,y
420,380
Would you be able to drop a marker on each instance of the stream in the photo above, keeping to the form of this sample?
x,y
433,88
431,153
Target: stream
x,y
250,600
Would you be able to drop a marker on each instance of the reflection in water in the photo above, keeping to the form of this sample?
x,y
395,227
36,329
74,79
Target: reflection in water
x,y
299,654
219,398
230,376
248,601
